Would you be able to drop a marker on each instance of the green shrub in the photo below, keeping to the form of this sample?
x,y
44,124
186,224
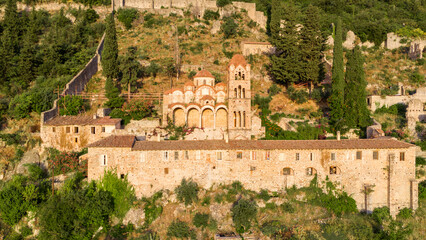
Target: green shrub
x,y
274,90
264,195
201,220
152,209
417,78
64,162
218,198
223,3
72,105
287,207
274,229
26,231
12,138
206,201
178,229
36,172
216,62
127,16
396,109
317,94
229,28
405,213
298,96
192,74
187,191
120,189
211,15
134,110
251,24
422,189
381,215
420,161
243,214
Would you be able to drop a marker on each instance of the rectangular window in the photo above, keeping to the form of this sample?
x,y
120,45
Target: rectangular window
x,y
311,156
253,155
186,155
402,156
252,168
53,129
219,156
375,155
103,159
166,170
239,155
297,156
358,155
67,129
267,155
198,155
75,129
166,156
103,129
176,155
333,170
93,130
309,171
143,156
76,140
333,156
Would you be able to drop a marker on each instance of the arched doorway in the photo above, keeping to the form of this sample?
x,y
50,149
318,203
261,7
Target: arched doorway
x,y
221,118
207,119
193,118
178,117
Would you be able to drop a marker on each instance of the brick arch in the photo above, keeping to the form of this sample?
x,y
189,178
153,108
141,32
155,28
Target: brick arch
x,y
207,118
178,117
221,118
193,117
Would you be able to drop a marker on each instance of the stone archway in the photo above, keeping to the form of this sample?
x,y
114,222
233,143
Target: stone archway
x,y
193,118
179,117
207,119
221,118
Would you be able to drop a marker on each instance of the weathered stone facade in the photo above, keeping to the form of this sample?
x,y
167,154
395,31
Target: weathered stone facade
x,y
376,101
223,108
386,166
256,48
73,133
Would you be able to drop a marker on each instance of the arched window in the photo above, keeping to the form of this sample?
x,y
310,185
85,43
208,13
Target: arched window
x,y
236,94
239,119
311,171
236,76
244,77
334,170
287,171
244,93
204,82
239,91
244,119
235,119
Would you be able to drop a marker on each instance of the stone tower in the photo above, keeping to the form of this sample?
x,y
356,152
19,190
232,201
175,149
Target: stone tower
x,y
239,98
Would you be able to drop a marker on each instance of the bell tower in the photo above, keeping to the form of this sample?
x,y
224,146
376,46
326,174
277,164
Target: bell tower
x,y
239,98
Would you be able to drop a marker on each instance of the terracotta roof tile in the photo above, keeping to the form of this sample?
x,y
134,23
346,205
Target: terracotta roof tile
x,y
207,97
271,144
237,60
173,90
204,73
81,120
189,83
114,141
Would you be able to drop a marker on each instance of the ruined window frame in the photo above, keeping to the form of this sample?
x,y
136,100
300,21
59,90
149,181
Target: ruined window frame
x,y
310,171
287,171
375,155
252,168
358,155
333,170
402,156
239,155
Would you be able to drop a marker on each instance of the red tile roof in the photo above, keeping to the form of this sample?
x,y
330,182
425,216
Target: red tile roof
x,y
189,83
237,60
128,141
114,141
207,97
204,73
81,120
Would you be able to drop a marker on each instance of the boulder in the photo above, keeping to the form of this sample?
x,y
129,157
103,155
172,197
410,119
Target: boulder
x,y
135,216
215,27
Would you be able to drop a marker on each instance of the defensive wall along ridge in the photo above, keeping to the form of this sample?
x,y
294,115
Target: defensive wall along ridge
x,y
197,6
77,83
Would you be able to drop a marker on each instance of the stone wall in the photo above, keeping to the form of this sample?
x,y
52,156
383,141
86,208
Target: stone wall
x,y
142,127
376,101
78,83
256,48
393,41
392,178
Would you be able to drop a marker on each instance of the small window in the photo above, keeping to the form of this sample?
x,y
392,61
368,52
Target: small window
x,y
75,129
219,156
122,176
53,129
103,160
143,156
402,156
375,155
333,156
252,168
166,156
297,156
103,129
333,170
358,155
267,155
93,130
310,171
186,155
176,155
239,155
287,171
198,155
76,140
253,155
166,170
67,129
311,156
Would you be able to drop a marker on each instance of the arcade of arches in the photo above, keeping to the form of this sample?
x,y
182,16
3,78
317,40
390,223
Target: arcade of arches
x,y
206,118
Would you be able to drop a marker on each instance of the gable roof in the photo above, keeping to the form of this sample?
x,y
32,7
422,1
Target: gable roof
x,y
81,120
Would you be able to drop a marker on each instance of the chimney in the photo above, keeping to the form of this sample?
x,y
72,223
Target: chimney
x,y
95,116
338,135
226,137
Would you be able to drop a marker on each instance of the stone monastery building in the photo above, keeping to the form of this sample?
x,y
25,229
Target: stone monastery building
x,y
220,107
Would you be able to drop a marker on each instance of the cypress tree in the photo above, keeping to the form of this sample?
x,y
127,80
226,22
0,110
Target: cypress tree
x,y
356,111
113,94
336,100
130,69
110,51
285,63
312,46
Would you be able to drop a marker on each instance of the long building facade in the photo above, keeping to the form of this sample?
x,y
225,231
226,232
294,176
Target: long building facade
x,y
385,166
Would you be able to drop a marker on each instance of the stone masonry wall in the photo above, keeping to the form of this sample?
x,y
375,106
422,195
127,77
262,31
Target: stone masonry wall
x,y
393,180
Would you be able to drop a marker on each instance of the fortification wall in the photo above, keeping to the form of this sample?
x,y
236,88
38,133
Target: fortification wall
x,y
78,83
256,48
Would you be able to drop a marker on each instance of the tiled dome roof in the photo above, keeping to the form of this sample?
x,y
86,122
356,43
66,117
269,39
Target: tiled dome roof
x,y
204,73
